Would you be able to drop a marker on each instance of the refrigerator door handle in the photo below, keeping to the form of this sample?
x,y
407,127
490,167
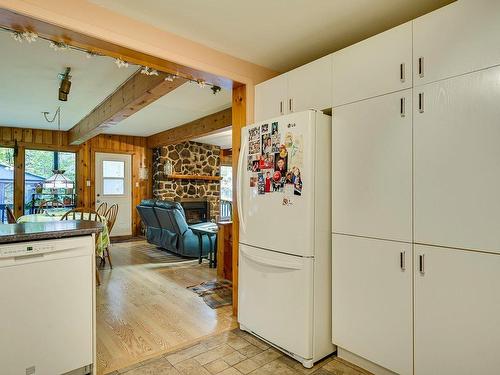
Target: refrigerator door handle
x,y
291,265
241,158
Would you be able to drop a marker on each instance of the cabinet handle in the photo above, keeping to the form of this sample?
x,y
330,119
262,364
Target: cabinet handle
x,y
421,67
402,105
402,72
402,260
421,267
290,104
281,107
421,102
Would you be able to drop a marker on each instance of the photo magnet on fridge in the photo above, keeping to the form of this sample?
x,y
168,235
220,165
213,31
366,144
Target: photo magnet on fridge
x,y
250,160
256,166
274,128
280,164
254,147
261,188
264,128
253,181
288,140
266,161
277,182
254,134
267,145
268,178
297,181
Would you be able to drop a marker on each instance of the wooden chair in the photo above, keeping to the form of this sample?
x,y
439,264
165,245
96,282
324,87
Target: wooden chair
x,y
102,209
54,203
110,216
11,219
82,213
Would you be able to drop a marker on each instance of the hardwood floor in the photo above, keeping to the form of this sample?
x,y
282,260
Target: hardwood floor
x,y
145,310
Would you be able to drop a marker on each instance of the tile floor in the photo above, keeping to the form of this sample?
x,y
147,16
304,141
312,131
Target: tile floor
x,y
234,353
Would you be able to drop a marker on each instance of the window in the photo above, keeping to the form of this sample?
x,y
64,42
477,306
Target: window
x,y
39,166
6,181
226,184
113,177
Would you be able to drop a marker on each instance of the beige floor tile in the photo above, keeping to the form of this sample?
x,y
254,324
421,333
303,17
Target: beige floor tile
x,y
212,355
236,342
216,366
246,366
156,367
266,356
275,368
187,353
191,367
230,371
338,367
234,358
258,343
250,351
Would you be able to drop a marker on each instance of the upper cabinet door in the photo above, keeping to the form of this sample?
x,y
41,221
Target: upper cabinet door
x,y
271,98
372,167
375,66
310,86
457,161
459,38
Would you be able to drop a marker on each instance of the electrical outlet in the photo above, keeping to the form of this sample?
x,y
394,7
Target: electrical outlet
x,y
88,183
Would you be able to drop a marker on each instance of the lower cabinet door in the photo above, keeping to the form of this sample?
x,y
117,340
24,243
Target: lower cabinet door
x,y
372,300
457,312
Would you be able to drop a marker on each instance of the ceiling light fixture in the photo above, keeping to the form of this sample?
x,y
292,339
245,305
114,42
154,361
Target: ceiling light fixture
x,y
65,85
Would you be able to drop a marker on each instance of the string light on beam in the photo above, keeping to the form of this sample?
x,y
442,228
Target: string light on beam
x,y
120,63
28,36
149,71
58,46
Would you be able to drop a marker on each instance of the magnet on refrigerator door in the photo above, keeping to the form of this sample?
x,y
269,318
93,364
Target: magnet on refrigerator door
x,y
280,164
266,144
254,134
253,181
267,180
261,188
264,128
256,166
254,147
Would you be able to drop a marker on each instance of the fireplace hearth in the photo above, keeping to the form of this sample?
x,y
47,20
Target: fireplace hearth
x,y
196,210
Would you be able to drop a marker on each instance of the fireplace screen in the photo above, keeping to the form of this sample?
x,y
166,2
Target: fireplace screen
x,y
196,211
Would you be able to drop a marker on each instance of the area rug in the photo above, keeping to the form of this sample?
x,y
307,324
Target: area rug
x,y
215,293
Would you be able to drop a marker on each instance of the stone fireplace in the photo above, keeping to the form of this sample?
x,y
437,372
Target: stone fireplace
x,y
193,159
196,210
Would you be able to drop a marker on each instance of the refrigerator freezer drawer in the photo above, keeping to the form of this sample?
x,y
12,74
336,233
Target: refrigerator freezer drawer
x,y
276,298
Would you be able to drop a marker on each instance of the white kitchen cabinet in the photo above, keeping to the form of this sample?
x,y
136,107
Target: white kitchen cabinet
x,y
457,312
307,87
372,167
457,161
459,38
376,66
310,86
372,300
271,98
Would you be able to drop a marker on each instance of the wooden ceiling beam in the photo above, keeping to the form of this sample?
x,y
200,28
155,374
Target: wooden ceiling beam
x,y
21,22
134,94
194,129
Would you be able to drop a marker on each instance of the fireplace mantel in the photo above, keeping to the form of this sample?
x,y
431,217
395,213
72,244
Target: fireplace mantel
x,y
193,177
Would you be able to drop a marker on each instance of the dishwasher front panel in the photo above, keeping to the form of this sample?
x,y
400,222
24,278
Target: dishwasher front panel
x,y
46,313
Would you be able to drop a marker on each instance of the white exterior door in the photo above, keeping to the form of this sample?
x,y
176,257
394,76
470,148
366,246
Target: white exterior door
x,y
376,66
271,98
310,86
275,298
113,185
372,300
456,161
457,312
372,167
278,220
459,38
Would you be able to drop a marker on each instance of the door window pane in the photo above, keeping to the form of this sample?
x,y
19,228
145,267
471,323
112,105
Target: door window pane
x,y
113,186
112,168
6,181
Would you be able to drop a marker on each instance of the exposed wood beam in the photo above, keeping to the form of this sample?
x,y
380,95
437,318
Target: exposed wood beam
x,y
134,94
194,129
18,21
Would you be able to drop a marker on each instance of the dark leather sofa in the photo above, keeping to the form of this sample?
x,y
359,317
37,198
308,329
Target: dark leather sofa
x,y
167,228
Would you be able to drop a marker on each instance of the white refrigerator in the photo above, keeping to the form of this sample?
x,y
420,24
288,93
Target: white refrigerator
x,y
284,206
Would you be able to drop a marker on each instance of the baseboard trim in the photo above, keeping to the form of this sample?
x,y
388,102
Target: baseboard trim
x,y
362,362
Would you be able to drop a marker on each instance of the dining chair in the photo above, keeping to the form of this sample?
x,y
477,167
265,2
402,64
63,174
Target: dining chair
x,y
11,218
54,203
82,213
102,209
110,216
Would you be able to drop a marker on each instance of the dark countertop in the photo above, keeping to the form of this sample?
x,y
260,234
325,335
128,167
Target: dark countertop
x,y
10,233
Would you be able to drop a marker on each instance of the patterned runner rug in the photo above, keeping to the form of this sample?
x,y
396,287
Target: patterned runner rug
x,y
215,293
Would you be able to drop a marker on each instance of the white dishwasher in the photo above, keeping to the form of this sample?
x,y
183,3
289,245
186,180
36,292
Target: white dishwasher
x,y
47,307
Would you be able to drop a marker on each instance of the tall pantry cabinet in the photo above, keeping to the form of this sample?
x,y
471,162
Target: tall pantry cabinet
x,y
430,192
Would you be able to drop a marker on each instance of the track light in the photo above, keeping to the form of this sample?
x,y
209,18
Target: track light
x,y
65,85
